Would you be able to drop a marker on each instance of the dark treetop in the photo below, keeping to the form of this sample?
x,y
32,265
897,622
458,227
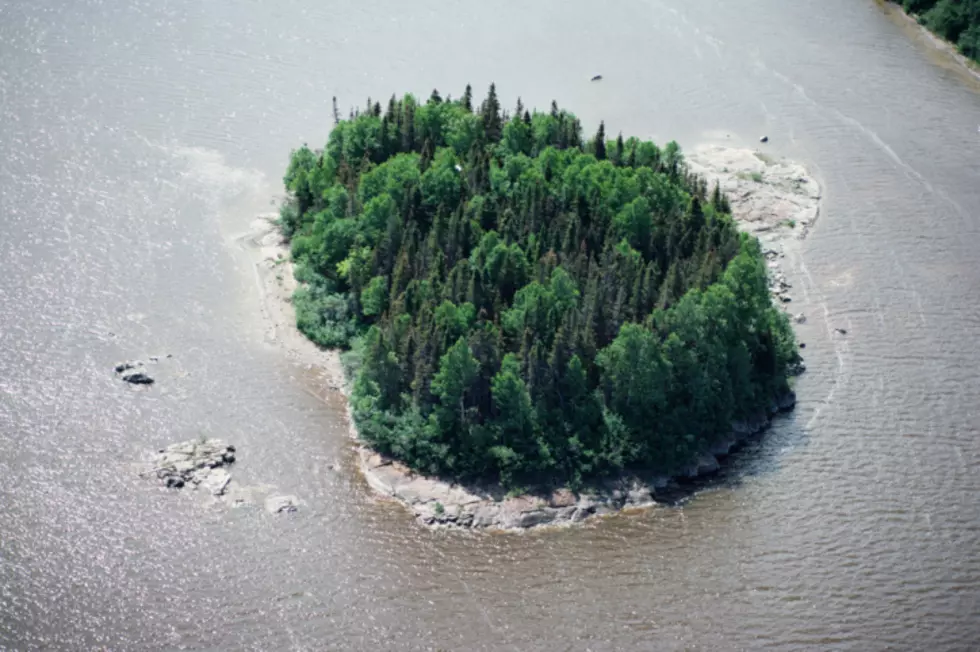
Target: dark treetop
x,y
524,306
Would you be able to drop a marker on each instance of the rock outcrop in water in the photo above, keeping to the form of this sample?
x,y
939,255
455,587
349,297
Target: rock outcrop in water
x,y
195,463
133,372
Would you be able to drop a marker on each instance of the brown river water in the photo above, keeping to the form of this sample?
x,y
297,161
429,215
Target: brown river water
x,y
139,139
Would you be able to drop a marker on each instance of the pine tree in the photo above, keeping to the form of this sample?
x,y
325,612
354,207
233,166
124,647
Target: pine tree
x,y
600,142
618,155
492,122
408,127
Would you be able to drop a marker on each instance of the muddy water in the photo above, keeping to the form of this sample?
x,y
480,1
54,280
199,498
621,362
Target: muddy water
x,y
139,139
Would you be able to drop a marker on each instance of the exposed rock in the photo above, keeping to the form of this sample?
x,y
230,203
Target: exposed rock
x,y
562,498
536,517
195,463
800,318
639,496
602,509
281,504
705,464
137,378
485,515
217,481
796,369
133,371
786,402
751,426
582,513
764,139
841,331
722,447
596,78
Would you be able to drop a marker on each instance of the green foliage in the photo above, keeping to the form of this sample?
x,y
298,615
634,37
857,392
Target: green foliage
x,y
524,306
323,317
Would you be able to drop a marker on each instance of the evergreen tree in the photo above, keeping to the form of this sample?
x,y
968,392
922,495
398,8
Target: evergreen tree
x,y
600,142
492,121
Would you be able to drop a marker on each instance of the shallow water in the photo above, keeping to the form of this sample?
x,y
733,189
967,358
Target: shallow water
x,y
140,139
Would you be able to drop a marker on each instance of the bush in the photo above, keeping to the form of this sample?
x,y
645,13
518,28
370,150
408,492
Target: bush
x,y
323,317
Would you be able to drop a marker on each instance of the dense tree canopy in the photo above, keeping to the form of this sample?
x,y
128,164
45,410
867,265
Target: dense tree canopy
x,y
957,21
523,305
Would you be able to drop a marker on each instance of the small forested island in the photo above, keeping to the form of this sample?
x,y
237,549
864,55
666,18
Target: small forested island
x,y
957,21
523,307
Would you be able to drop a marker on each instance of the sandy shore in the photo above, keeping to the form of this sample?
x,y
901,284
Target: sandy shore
x,y
776,200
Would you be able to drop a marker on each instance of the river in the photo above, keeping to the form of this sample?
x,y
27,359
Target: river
x,y
138,140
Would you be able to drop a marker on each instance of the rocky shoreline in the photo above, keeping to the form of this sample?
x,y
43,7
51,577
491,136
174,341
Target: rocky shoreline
x,y
773,200
437,503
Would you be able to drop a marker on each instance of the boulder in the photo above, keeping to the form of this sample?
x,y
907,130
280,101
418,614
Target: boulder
x,y
136,377
217,482
536,517
764,139
787,401
800,318
582,512
133,371
722,447
281,504
639,496
707,463
485,515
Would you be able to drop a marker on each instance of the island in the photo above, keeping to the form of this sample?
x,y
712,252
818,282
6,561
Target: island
x,y
538,326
